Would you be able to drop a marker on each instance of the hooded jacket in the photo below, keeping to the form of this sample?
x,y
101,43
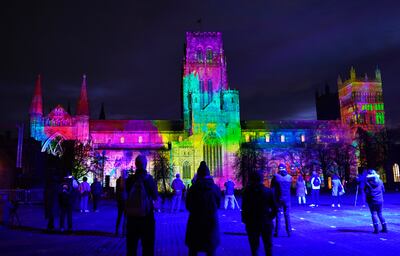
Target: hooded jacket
x,y
281,185
374,189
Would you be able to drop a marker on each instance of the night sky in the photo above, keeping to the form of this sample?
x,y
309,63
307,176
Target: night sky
x,y
278,53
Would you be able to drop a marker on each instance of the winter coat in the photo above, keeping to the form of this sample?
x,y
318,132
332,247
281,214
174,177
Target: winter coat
x,y
312,182
258,205
301,188
178,186
149,185
229,188
202,202
374,189
281,183
96,188
336,184
66,194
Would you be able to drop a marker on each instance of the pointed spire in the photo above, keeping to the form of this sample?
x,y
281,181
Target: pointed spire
x,y
339,80
83,105
352,73
102,115
37,103
378,76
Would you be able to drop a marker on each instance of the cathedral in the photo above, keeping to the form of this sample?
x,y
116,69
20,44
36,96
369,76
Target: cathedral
x,y
211,128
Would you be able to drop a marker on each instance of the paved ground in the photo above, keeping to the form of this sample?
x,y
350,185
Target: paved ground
x,y
316,231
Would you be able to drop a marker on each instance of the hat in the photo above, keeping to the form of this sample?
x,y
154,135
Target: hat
x,y
203,170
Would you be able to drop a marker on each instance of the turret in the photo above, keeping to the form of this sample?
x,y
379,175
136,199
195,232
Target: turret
x,y
378,76
82,114
352,74
36,111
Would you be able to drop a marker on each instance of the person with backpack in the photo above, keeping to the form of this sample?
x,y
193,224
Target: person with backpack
x,y
202,201
315,187
258,211
178,188
142,191
280,185
374,195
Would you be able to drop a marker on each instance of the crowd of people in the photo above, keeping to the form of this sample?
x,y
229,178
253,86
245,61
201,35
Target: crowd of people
x,y
137,197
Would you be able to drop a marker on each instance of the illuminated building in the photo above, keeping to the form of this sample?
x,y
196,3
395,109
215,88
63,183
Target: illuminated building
x,y
210,129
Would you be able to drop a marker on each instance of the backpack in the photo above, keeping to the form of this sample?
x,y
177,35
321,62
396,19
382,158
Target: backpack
x,y
139,202
316,182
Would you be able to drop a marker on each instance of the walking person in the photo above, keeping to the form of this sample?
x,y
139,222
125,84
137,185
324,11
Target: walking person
x,y
84,190
202,202
315,188
280,184
337,190
301,190
258,211
121,196
178,188
229,194
96,190
374,195
142,192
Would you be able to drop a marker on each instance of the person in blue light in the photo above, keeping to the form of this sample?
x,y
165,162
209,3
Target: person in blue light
x,y
315,187
374,194
301,189
258,211
178,188
337,190
229,194
280,185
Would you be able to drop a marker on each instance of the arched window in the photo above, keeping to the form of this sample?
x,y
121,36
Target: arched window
x,y
212,152
186,171
209,55
199,55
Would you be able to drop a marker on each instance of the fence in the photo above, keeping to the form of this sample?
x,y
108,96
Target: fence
x,y
25,196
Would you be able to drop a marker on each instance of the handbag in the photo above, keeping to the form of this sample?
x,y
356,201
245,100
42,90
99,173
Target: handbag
x,y
341,190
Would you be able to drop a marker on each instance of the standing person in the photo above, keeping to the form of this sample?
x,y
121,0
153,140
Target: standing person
x,y
84,190
229,194
374,194
178,187
202,202
281,183
142,191
258,211
96,190
337,190
315,187
66,203
121,196
301,189
51,203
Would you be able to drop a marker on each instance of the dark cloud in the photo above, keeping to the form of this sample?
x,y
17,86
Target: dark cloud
x,y
278,53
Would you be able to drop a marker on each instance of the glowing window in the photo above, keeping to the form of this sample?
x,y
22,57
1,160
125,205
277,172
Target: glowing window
x,y
396,173
337,137
282,138
303,138
199,55
180,138
122,140
318,138
267,138
247,138
140,140
209,55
